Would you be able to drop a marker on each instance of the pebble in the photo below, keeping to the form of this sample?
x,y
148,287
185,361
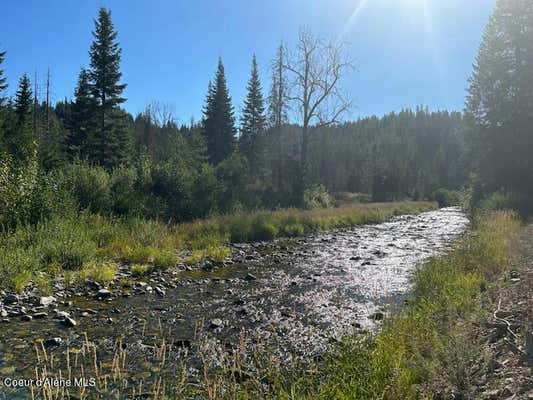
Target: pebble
x,y
11,299
69,322
103,294
250,277
216,323
47,301
55,341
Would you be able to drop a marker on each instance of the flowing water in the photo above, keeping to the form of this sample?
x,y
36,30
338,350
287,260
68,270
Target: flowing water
x,y
300,293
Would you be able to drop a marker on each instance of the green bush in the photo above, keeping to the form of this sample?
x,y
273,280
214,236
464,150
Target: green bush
x,y
124,197
89,186
446,198
317,197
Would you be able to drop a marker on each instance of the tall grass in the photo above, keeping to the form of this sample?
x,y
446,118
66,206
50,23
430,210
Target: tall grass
x,y
84,242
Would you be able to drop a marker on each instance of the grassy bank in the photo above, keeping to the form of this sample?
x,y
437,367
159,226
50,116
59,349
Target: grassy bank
x,y
88,245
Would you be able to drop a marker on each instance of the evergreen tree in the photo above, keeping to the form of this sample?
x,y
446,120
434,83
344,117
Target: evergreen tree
x,y
106,145
499,110
82,118
18,136
219,122
3,79
253,121
52,145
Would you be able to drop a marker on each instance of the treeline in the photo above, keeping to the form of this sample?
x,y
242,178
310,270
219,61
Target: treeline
x,y
287,149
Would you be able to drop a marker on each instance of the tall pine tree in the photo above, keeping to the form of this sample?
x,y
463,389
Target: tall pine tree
x,y
82,120
18,135
3,79
499,109
109,144
219,122
253,121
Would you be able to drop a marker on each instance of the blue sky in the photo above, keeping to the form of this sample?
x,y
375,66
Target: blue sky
x,y
407,52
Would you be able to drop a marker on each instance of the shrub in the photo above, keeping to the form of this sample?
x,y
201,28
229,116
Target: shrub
x,y
317,197
89,185
446,198
124,198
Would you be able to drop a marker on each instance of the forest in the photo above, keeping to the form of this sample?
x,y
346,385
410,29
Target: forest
x,y
91,151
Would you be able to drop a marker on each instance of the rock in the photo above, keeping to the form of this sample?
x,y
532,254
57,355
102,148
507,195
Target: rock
x,y
47,301
26,318
182,343
103,294
161,292
355,258
250,277
216,323
378,316
40,315
3,313
69,322
53,342
11,299
62,314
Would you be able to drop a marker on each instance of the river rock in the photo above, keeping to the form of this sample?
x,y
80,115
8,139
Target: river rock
x,y
161,292
3,313
62,314
47,301
40,315
53,342
182,343
103,294
69,322
250,277
11,299
26,317
216,323
377,316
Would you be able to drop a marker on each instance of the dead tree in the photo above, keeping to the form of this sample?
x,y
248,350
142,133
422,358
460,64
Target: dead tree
x,y
316,68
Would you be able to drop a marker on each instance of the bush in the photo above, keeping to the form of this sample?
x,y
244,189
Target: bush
x,y
317,197
26,195
124,198
89,186
446,198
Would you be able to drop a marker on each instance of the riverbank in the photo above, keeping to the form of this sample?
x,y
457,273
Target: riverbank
x,y
287,302
432,348
85,246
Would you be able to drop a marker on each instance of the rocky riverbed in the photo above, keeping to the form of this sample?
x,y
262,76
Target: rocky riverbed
x,y
297,295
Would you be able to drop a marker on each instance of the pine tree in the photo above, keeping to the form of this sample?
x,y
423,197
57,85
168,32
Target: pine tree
x,y
18,137
3,79
219,122
106,145
82,119
499,109
253,121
